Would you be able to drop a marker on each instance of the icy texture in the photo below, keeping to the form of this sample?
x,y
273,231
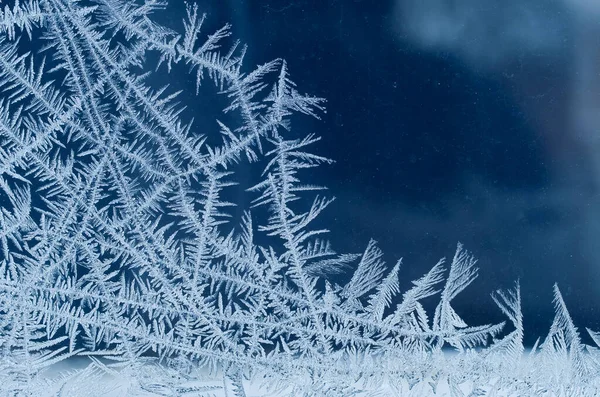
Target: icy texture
x,y
118,243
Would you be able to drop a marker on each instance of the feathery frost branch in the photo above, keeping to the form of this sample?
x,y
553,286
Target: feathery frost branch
x,y
124,235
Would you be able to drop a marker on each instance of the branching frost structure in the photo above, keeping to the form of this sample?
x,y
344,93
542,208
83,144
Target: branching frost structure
x,y
119,242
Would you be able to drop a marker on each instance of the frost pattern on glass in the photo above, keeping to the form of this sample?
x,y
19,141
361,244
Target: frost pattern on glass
x,y
119,242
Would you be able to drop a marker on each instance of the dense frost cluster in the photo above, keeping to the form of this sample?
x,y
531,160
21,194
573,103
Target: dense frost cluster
x,y
122,253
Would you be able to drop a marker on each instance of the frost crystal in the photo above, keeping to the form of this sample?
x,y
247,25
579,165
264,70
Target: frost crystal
x,y
119,242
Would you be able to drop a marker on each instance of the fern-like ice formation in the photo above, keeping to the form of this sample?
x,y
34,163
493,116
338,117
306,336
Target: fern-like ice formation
x,y
118,242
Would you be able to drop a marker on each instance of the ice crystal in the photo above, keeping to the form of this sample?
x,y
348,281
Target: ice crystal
x,y
119,244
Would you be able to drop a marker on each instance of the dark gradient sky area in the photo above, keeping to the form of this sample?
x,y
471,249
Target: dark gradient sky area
x,y
465,120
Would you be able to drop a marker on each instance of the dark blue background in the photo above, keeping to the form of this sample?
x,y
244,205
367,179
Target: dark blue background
x,y
472,121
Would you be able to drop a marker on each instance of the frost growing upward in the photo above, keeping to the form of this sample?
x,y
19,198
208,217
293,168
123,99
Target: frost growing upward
x,y
119,240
